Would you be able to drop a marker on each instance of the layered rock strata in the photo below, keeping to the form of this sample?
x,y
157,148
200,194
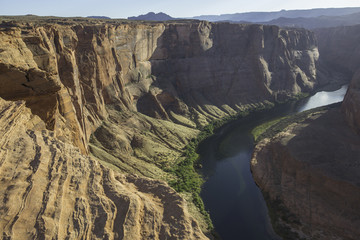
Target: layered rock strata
x,y
50,190
161,70
313,172
312,167
217,68
351,102
340,48
132,95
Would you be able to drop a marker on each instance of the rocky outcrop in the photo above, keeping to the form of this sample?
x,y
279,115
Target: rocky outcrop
x,y
75,69
129,96
67,75
340,48
313,172
351,103
348,56
217,68
50,190
161,70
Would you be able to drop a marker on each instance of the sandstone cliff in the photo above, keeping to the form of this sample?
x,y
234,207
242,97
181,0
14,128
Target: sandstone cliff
x,y
133,94
340,48
158,69
346,54
217,68
313,173
50,190
311,168
66,76
351,102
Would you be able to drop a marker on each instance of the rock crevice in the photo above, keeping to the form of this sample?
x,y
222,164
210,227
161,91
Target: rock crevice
x,y
75,93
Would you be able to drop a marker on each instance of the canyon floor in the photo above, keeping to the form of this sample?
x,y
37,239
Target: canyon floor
x,y
98,116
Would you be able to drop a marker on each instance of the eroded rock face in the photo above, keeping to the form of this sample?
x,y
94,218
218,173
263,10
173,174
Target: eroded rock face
x,y
217,68
351,103
76,70
312,167
340,48
66,75
313,171
133,94
158,69
50,190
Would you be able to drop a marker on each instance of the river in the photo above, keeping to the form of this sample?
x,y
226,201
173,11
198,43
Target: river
x,y
235,203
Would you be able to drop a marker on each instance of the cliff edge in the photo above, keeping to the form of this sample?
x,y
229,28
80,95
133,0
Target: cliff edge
x,y
50,190
96,111
309,171
312,175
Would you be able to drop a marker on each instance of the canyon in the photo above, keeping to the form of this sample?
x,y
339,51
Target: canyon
x,y
310,169
95,112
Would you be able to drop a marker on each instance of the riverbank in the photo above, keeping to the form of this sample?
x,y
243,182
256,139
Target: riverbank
x,y
273,127
282,219
309,173
236,204
187,170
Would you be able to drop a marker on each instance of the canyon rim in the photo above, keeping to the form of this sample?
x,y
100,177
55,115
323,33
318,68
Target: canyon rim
x,y
94,113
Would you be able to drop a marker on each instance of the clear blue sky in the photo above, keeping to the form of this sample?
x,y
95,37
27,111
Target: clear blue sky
x,y
178,8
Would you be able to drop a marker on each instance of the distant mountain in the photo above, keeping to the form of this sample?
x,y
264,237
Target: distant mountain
x,y
99,17
317,22
151,16
268,16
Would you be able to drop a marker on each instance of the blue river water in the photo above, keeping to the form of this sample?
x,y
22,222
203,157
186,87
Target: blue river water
x,y
235,203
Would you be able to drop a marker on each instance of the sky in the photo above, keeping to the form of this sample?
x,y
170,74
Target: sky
x,y
175,8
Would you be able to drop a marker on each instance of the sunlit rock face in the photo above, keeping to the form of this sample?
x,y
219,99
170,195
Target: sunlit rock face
x,y
158,69
76,93
76,70
50,190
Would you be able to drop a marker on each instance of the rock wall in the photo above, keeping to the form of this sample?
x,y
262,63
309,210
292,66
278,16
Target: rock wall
x,y
345,43
340,48
158,69
132,94
75,69
217,68
351,103
313,173
50,190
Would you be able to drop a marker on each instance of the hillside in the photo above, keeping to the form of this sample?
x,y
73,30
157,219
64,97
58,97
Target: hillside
x,y
268,16
96,115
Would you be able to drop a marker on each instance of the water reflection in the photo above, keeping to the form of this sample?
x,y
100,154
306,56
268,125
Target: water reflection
x,y
324,98
235,203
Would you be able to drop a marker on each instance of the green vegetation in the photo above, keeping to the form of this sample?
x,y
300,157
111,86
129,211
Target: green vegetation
x,y
300,96
256,132
187,178
281,218
153,77
271,128
296,97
